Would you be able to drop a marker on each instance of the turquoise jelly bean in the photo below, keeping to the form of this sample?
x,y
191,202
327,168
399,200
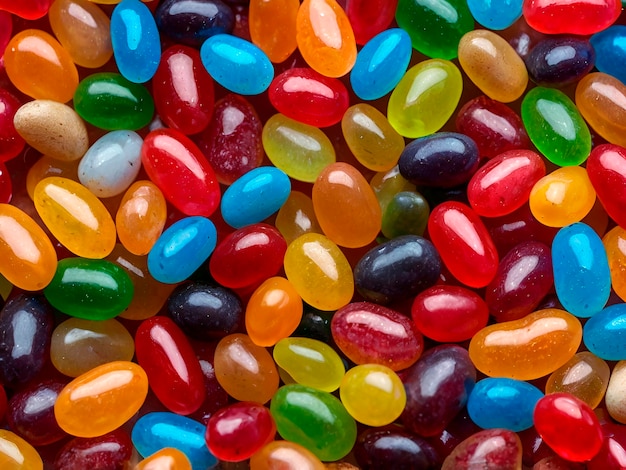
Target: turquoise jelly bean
x,y
495,14
255,196
155,431
381,64
604,334
503,403
237,64
581,270
610,48
182,249
135,40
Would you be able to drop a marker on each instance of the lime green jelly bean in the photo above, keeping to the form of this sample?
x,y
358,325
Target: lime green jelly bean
x,y
406,214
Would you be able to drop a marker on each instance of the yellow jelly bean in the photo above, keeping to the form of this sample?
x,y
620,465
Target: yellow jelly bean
x,y
46,167
17,454
297,217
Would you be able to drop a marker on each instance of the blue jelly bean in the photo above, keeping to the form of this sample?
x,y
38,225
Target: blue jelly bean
x,y
503,403
581,270
610,47
255,196
605,333
155,431
381,64
182,249
237,64
495,14
561,60
135,40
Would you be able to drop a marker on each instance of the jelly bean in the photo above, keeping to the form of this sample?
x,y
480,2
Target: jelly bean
x,y
84,30
297,217
614,398
562,197
314,419
504,183
503,403
157,430
386,184
101,400
560,61
287,455
109,101
11,143
181,249
431,88
114,449
582,18
300,150
319,271
604,334
437,387
612,451
381,63
345,206
325,37
168,457
491,447
6,186
606,173
406,214
581,271
17,454
236,64
273,27
246,371
173,370
40,67
610,50
248,256
6,29
183,91
528,348
397,269
31,10
493,65
310,362
568,426
53,129
192,22
495,15
369,19
176,165
615,244
92,289
600,100
26,324
585,376
204,311
464,243
556,127
448,313
46,167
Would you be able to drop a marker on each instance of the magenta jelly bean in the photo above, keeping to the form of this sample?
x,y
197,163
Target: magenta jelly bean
x,y
11,143
6,186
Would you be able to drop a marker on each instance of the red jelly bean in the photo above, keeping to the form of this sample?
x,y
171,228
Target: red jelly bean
x,y
11,143
3,402
176,165
606,168
370,17
111,451
29,10
464,243
6,187
183,90
583,17
612,455
172,367
307,96
6,30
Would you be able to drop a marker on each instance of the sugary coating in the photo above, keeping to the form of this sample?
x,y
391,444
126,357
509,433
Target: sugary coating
x,y
604,333
491,448
296,217
582,17
393,446
615,245
606,171
273,27
609,48
496,15
166,458
114,449
11,143
285,455
17,454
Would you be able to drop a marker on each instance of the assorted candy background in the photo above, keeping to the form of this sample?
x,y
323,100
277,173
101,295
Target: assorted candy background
x,y
303,235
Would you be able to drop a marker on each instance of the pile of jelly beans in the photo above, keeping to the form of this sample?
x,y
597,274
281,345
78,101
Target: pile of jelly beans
x,y
284,234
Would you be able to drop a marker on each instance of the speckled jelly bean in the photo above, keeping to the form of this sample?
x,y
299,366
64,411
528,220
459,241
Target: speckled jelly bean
x,y
425,98
18,454
495,15
606,171
614,242
297,217
102,399
287,454
614,398
109,101
273,27
406,214
380,64
555,126
560,61
168,457
604,333
314,419
491,447
610,48
11,143
582,18
528,348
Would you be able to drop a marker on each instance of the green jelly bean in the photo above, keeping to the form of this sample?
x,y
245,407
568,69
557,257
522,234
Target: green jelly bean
x,y
93,289
425,98
435,26
314,419
556,127
406,214
110,102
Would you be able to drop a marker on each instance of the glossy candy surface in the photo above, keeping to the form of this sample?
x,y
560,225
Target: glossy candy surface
x,y
606,171
114,449
613,242
581,17
168,457
264,16
604,334
560,61
609,47
491,447
285,454
11,143
495,15
18,454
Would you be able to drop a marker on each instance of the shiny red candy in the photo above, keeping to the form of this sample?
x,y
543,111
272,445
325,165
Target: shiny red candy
x,y
11,143
583,17
111,451
27,9
606,167
370,17
6,187
6,30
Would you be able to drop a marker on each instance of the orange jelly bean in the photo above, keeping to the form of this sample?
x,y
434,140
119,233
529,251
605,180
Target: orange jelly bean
x,y
165,459
529,348
75,216
297,217
46,167
17,454
40,67
273,27
101,400
615,244
285,455
325,37
28,257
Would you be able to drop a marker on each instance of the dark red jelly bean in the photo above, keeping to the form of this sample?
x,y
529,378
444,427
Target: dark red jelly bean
x,y
3,402
171,364
494,126
606,167
370,17
612,455
397,269
215,396
183,90
369,333
6,187
111,452
11,143
459,429
6,30
437,388
493,448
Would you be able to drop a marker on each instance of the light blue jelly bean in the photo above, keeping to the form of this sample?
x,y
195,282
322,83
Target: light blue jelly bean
x,y
381,64
604,334
182,249
157,430
111,164
495,14
503,403
581,270
255,196
237,64
610,48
